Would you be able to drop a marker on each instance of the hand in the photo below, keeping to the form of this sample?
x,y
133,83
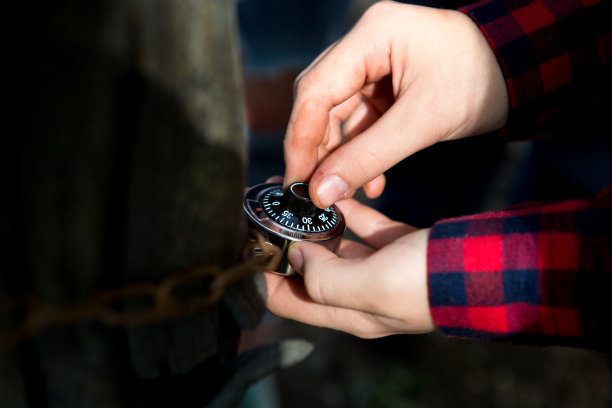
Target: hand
x,y
404,78
369,291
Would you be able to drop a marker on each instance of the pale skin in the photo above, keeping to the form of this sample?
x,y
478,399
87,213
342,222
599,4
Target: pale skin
x,y
404,78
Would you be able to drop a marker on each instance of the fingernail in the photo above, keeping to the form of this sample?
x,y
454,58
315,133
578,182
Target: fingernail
x,y
294,255
332,189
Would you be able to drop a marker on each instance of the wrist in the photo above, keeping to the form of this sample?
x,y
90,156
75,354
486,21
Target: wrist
x,y
428,322
418,296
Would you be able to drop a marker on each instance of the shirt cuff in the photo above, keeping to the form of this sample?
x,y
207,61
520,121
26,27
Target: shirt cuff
x,y
533,275
553,56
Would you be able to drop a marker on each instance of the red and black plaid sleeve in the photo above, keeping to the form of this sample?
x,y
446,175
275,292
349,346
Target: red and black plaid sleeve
x,y
540,274
555,56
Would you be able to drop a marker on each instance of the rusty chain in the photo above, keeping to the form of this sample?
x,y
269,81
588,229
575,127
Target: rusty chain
x,y
38,314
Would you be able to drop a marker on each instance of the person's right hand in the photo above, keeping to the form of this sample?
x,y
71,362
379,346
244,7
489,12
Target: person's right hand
x,y
404,78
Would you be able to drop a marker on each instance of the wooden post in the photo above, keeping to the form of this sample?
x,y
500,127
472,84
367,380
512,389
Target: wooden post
x,y
129,164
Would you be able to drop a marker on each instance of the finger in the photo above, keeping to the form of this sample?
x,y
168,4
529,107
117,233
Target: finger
x,y
374,188
374,228
347,108
353,249
403,130
331,141
334,79
363,116
287,298
334,136
380,94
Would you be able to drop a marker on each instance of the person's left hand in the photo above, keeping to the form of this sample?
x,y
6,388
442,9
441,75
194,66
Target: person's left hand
x,y
368,291
403,78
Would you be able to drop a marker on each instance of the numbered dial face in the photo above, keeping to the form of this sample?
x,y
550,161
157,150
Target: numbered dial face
x,y
291,215
297,215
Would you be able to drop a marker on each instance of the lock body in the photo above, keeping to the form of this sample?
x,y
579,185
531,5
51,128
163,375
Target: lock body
x,y
282,217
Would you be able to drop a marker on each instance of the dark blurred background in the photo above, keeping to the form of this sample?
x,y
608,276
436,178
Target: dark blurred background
x,y
279,39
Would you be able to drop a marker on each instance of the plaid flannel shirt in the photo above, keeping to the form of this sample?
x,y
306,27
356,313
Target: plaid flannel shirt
x,y
540,274
555,56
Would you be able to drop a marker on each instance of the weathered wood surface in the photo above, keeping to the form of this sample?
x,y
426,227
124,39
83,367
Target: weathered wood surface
x,y
129,164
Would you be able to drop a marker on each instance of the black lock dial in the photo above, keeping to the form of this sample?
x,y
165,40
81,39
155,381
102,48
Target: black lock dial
x,y
293,209
299,200
285,216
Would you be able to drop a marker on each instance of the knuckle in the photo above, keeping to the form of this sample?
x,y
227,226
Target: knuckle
x,y
314,287
300,83
301,141
320,289
374,10
377,10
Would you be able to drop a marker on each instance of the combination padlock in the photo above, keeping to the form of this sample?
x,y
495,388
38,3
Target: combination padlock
x,y
286,216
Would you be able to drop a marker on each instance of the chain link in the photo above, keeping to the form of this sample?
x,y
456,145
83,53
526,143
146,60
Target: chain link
x,y
38,314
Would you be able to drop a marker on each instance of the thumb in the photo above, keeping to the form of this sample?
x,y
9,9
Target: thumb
x,y
378,148
302,255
